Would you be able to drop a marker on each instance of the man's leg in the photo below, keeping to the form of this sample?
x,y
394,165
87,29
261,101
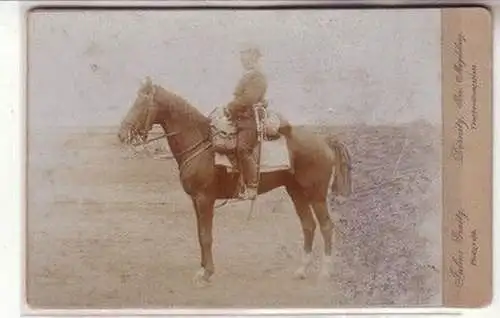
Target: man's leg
x,y
247,140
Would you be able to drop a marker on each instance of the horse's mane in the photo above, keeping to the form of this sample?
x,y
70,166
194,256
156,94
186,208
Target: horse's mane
x,y
179,107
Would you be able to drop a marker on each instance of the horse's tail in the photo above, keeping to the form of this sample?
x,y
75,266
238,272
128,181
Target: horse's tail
x,y
341,179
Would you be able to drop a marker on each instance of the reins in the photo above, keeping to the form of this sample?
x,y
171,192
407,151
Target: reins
x,y
155,138
207,145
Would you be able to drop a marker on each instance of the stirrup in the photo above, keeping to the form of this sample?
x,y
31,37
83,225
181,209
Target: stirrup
x,y
249,193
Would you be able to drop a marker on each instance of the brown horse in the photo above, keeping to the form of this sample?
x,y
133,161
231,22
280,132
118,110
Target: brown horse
x,y
318,169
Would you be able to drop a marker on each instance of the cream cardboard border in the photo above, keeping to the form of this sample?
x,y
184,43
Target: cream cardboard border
x,y
467,157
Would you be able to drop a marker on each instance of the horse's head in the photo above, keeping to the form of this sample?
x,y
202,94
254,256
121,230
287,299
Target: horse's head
x,y
141,116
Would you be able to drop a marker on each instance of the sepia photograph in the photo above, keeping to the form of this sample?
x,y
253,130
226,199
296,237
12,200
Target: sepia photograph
x,y
277,158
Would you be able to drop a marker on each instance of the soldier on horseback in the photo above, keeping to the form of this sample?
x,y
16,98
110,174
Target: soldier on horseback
x,y
250,90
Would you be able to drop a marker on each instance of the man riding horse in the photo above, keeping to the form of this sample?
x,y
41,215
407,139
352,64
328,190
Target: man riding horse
x,y
320,169
250,90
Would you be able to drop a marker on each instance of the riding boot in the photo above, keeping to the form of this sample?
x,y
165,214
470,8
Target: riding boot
x,y
249,171
247,140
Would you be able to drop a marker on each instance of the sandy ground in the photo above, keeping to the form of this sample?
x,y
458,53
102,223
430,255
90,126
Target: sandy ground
x,y
108,230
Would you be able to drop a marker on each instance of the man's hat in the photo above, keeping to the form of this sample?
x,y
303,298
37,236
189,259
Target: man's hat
x,y
251,49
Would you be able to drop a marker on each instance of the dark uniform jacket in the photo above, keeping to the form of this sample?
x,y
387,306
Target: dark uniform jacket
x,y
249,91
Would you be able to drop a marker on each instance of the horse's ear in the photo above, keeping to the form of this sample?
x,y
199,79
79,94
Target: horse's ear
x,y
147,83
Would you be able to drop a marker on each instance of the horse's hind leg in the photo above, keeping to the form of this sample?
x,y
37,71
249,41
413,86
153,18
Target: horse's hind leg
x,y
308,224
326,225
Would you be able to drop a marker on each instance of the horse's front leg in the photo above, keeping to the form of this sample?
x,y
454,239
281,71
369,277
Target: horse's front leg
x,y
204,207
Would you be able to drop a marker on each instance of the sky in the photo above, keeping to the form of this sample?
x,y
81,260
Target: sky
x,y
323,66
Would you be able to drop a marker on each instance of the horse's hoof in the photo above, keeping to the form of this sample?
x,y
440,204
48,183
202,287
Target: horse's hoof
x,y
325,274
300,273
201,278
326,271
326,267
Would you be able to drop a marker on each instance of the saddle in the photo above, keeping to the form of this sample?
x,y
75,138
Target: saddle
x,y
273,154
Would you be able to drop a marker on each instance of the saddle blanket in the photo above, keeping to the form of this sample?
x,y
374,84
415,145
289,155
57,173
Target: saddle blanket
x,y
274,157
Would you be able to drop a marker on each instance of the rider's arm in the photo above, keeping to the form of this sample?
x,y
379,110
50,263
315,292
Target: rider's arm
x,y
250,90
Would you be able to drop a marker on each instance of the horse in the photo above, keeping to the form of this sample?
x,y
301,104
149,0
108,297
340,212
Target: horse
x,y
320,171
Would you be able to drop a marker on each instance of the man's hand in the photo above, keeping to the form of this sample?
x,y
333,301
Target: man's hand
x,y
234,108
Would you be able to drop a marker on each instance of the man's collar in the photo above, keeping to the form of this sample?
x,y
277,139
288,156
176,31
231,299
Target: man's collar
x,y
253,69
